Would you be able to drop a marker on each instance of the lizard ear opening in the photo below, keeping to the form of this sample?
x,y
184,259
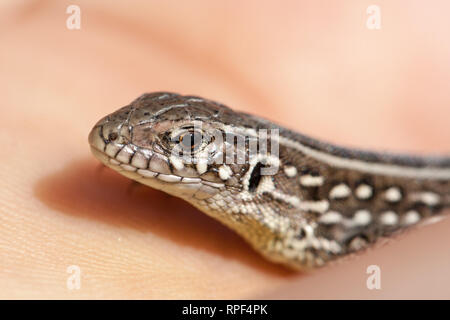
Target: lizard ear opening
x,y
255,177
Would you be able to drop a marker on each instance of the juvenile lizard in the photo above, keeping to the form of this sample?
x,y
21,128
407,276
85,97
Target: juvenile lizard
x,y
296,200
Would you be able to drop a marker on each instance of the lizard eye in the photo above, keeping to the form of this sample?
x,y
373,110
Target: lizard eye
x,y
190,140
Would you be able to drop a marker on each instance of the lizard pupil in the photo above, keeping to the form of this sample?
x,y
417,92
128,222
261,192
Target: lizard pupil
x,y
191,140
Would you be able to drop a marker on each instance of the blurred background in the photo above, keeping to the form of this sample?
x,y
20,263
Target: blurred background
x,y
316,66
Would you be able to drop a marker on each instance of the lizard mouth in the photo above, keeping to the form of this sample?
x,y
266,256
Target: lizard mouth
x,y
120,166
150,168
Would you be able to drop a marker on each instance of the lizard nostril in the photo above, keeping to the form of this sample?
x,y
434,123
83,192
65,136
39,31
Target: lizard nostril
x,y
112,136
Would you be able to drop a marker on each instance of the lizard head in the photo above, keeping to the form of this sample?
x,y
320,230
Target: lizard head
x,y
184,145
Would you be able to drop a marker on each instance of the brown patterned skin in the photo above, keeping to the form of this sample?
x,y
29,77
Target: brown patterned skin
x,y
318,202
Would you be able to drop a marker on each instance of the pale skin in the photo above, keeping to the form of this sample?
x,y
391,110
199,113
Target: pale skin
x,y
316,69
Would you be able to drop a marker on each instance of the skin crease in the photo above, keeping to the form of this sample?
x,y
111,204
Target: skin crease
x,y
310,66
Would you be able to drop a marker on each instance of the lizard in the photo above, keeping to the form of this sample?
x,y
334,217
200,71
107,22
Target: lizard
x,y
296,200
